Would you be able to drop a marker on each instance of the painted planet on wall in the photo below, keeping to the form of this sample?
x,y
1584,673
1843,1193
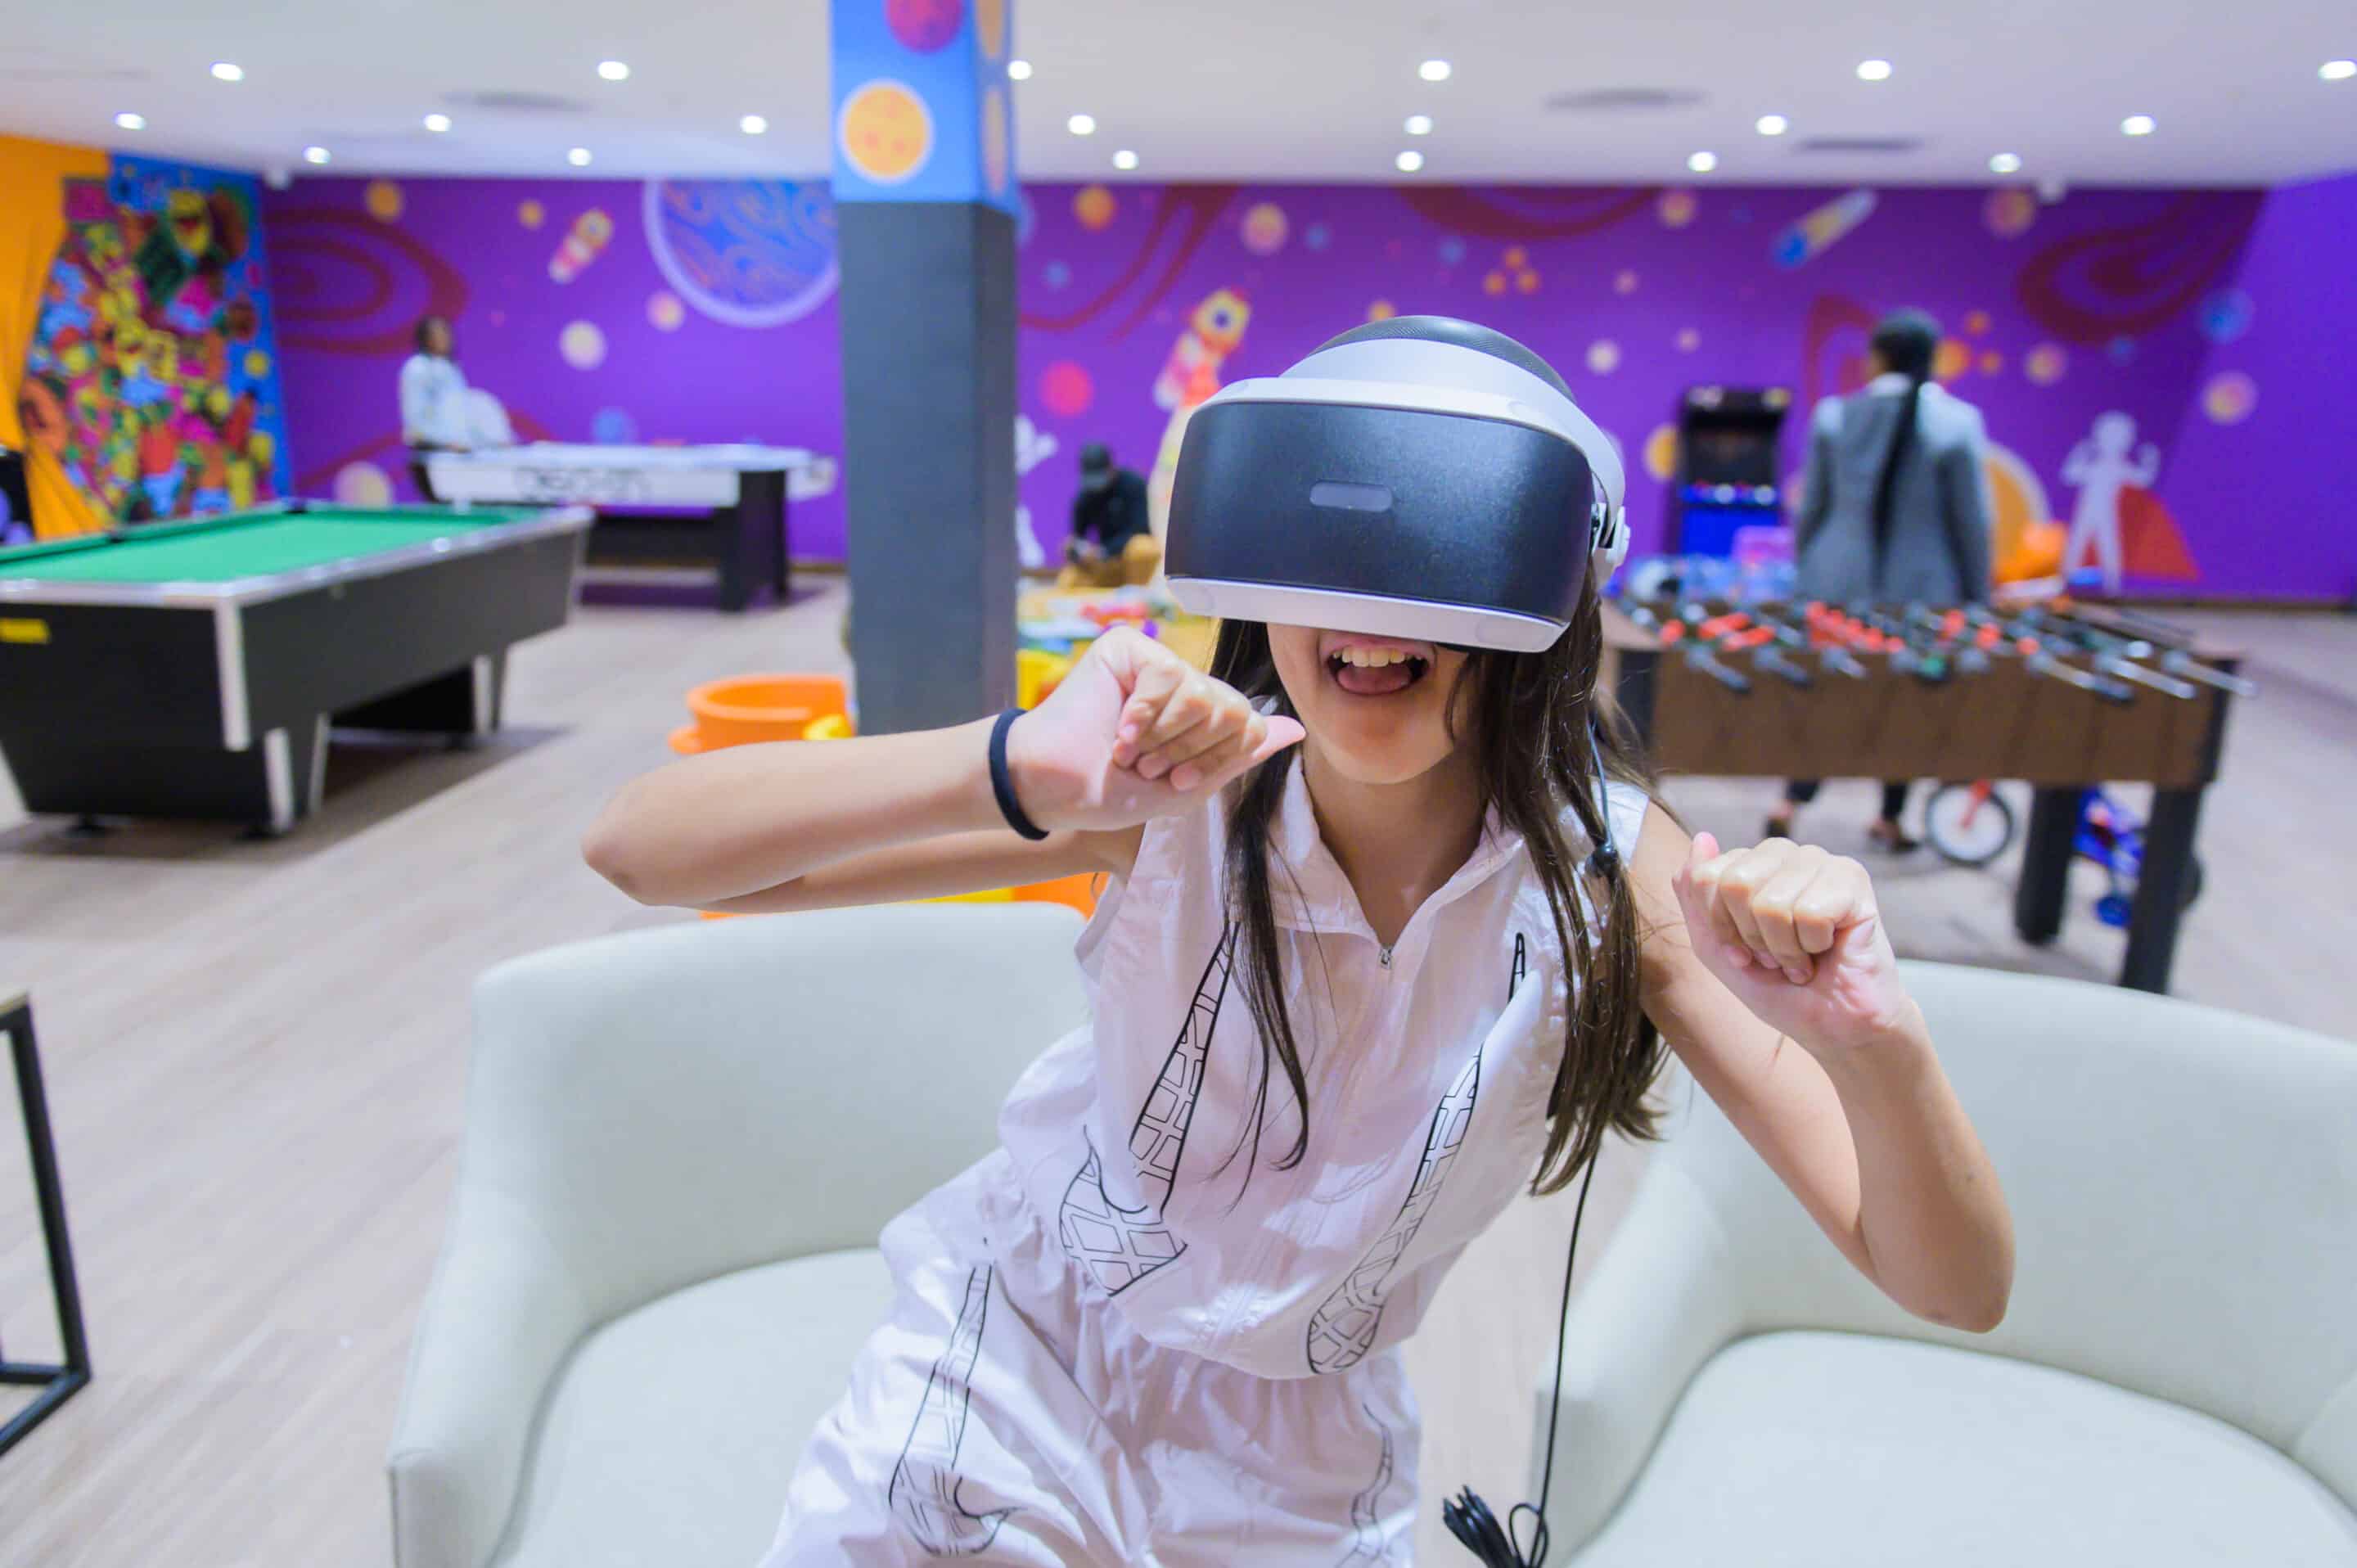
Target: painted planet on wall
x,y
2226,314
744,252
582,345
383,199
1662,452
2009,212
1066,390
1264,228
1094,207
362,484
2230,398
2045,364
1676,209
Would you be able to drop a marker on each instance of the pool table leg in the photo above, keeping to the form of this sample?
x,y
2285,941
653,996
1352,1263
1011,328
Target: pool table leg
x,y
463,704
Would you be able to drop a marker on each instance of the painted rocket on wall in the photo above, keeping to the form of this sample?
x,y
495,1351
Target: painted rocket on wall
x,y
1187,378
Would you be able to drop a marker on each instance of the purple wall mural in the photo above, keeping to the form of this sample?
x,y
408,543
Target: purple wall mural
x,y
660,312
2150,362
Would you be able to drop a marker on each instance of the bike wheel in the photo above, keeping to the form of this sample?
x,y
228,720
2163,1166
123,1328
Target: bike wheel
x,y
1968,826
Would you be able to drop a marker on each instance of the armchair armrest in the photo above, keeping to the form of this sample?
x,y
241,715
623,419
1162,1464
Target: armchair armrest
x,y
500,1318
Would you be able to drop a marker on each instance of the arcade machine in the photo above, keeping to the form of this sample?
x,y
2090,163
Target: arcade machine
x,y
1727,478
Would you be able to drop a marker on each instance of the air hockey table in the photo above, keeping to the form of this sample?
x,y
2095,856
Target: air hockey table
x,y
720,506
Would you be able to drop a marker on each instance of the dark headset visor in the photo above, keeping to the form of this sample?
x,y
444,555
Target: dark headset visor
x,y
1397,503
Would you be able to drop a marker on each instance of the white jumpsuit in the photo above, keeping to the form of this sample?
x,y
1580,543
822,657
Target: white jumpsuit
x,y
1121,1338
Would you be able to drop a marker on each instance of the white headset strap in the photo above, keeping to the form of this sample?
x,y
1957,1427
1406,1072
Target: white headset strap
x,y
1601,455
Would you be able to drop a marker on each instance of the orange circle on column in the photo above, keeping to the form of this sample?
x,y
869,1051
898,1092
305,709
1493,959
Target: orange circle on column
x,y
990,26
885,132
994,158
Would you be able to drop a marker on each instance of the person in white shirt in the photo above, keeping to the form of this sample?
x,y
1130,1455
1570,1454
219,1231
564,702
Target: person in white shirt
x,y
434,406
1394,933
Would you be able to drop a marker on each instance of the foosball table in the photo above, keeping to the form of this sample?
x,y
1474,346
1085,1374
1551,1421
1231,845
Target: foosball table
x,y
2064,697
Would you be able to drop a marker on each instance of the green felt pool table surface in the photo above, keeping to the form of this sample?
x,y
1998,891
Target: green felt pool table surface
x,y
239,546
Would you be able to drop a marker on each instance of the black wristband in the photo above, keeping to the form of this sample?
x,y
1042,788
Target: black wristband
x,y
1002,782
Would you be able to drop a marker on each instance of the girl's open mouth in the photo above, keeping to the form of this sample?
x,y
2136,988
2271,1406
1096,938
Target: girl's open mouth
x,y
1375,666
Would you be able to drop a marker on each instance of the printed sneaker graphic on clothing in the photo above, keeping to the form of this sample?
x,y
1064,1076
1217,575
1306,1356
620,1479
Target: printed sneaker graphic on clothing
x,y
1343,1328
1123,1246
925,1490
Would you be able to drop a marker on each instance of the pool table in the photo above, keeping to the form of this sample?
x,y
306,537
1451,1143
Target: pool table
x,y
193,670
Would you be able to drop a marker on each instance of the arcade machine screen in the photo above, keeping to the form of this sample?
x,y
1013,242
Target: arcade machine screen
x,y
1727,466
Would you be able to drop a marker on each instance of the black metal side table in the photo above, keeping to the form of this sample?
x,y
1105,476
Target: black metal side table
x,y
58,1384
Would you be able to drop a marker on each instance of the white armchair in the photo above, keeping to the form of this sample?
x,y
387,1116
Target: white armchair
x,y
681,1145
2176,1382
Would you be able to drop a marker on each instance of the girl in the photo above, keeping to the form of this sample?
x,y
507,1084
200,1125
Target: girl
x,y
1389,936
1895,510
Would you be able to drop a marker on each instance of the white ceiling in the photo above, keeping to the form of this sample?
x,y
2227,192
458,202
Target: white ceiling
x,y
1266,89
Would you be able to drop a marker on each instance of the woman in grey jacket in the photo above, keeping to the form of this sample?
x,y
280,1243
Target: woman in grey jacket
x,y
1896,508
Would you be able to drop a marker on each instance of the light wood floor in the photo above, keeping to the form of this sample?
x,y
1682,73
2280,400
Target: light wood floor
x,y
255,1055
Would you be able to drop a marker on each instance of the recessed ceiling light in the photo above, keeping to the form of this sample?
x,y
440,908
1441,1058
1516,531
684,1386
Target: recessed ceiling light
x,y
2337,69
224,71
1419,124
1081,125
1702,162
1772,124
1874,71
1434,71
613,71
1124,159
578,157
315,155
1409,161
2005,163
437,123
1018,71
2138,126
753,125
130,121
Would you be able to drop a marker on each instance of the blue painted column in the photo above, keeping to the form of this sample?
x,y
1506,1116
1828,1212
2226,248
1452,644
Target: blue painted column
x,y
926,201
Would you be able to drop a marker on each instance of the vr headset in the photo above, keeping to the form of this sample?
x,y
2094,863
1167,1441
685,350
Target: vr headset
x,y
1419,477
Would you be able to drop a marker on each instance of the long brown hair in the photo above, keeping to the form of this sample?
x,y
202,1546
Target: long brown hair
x,y
1529,719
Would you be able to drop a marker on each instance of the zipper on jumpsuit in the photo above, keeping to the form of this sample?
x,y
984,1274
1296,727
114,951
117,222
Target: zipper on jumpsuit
x,y
1428,914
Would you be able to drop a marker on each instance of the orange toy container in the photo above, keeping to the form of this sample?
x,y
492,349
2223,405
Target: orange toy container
x,y
1077,892
744,709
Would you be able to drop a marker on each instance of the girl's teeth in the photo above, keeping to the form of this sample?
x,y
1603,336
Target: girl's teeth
x,y
1372,657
